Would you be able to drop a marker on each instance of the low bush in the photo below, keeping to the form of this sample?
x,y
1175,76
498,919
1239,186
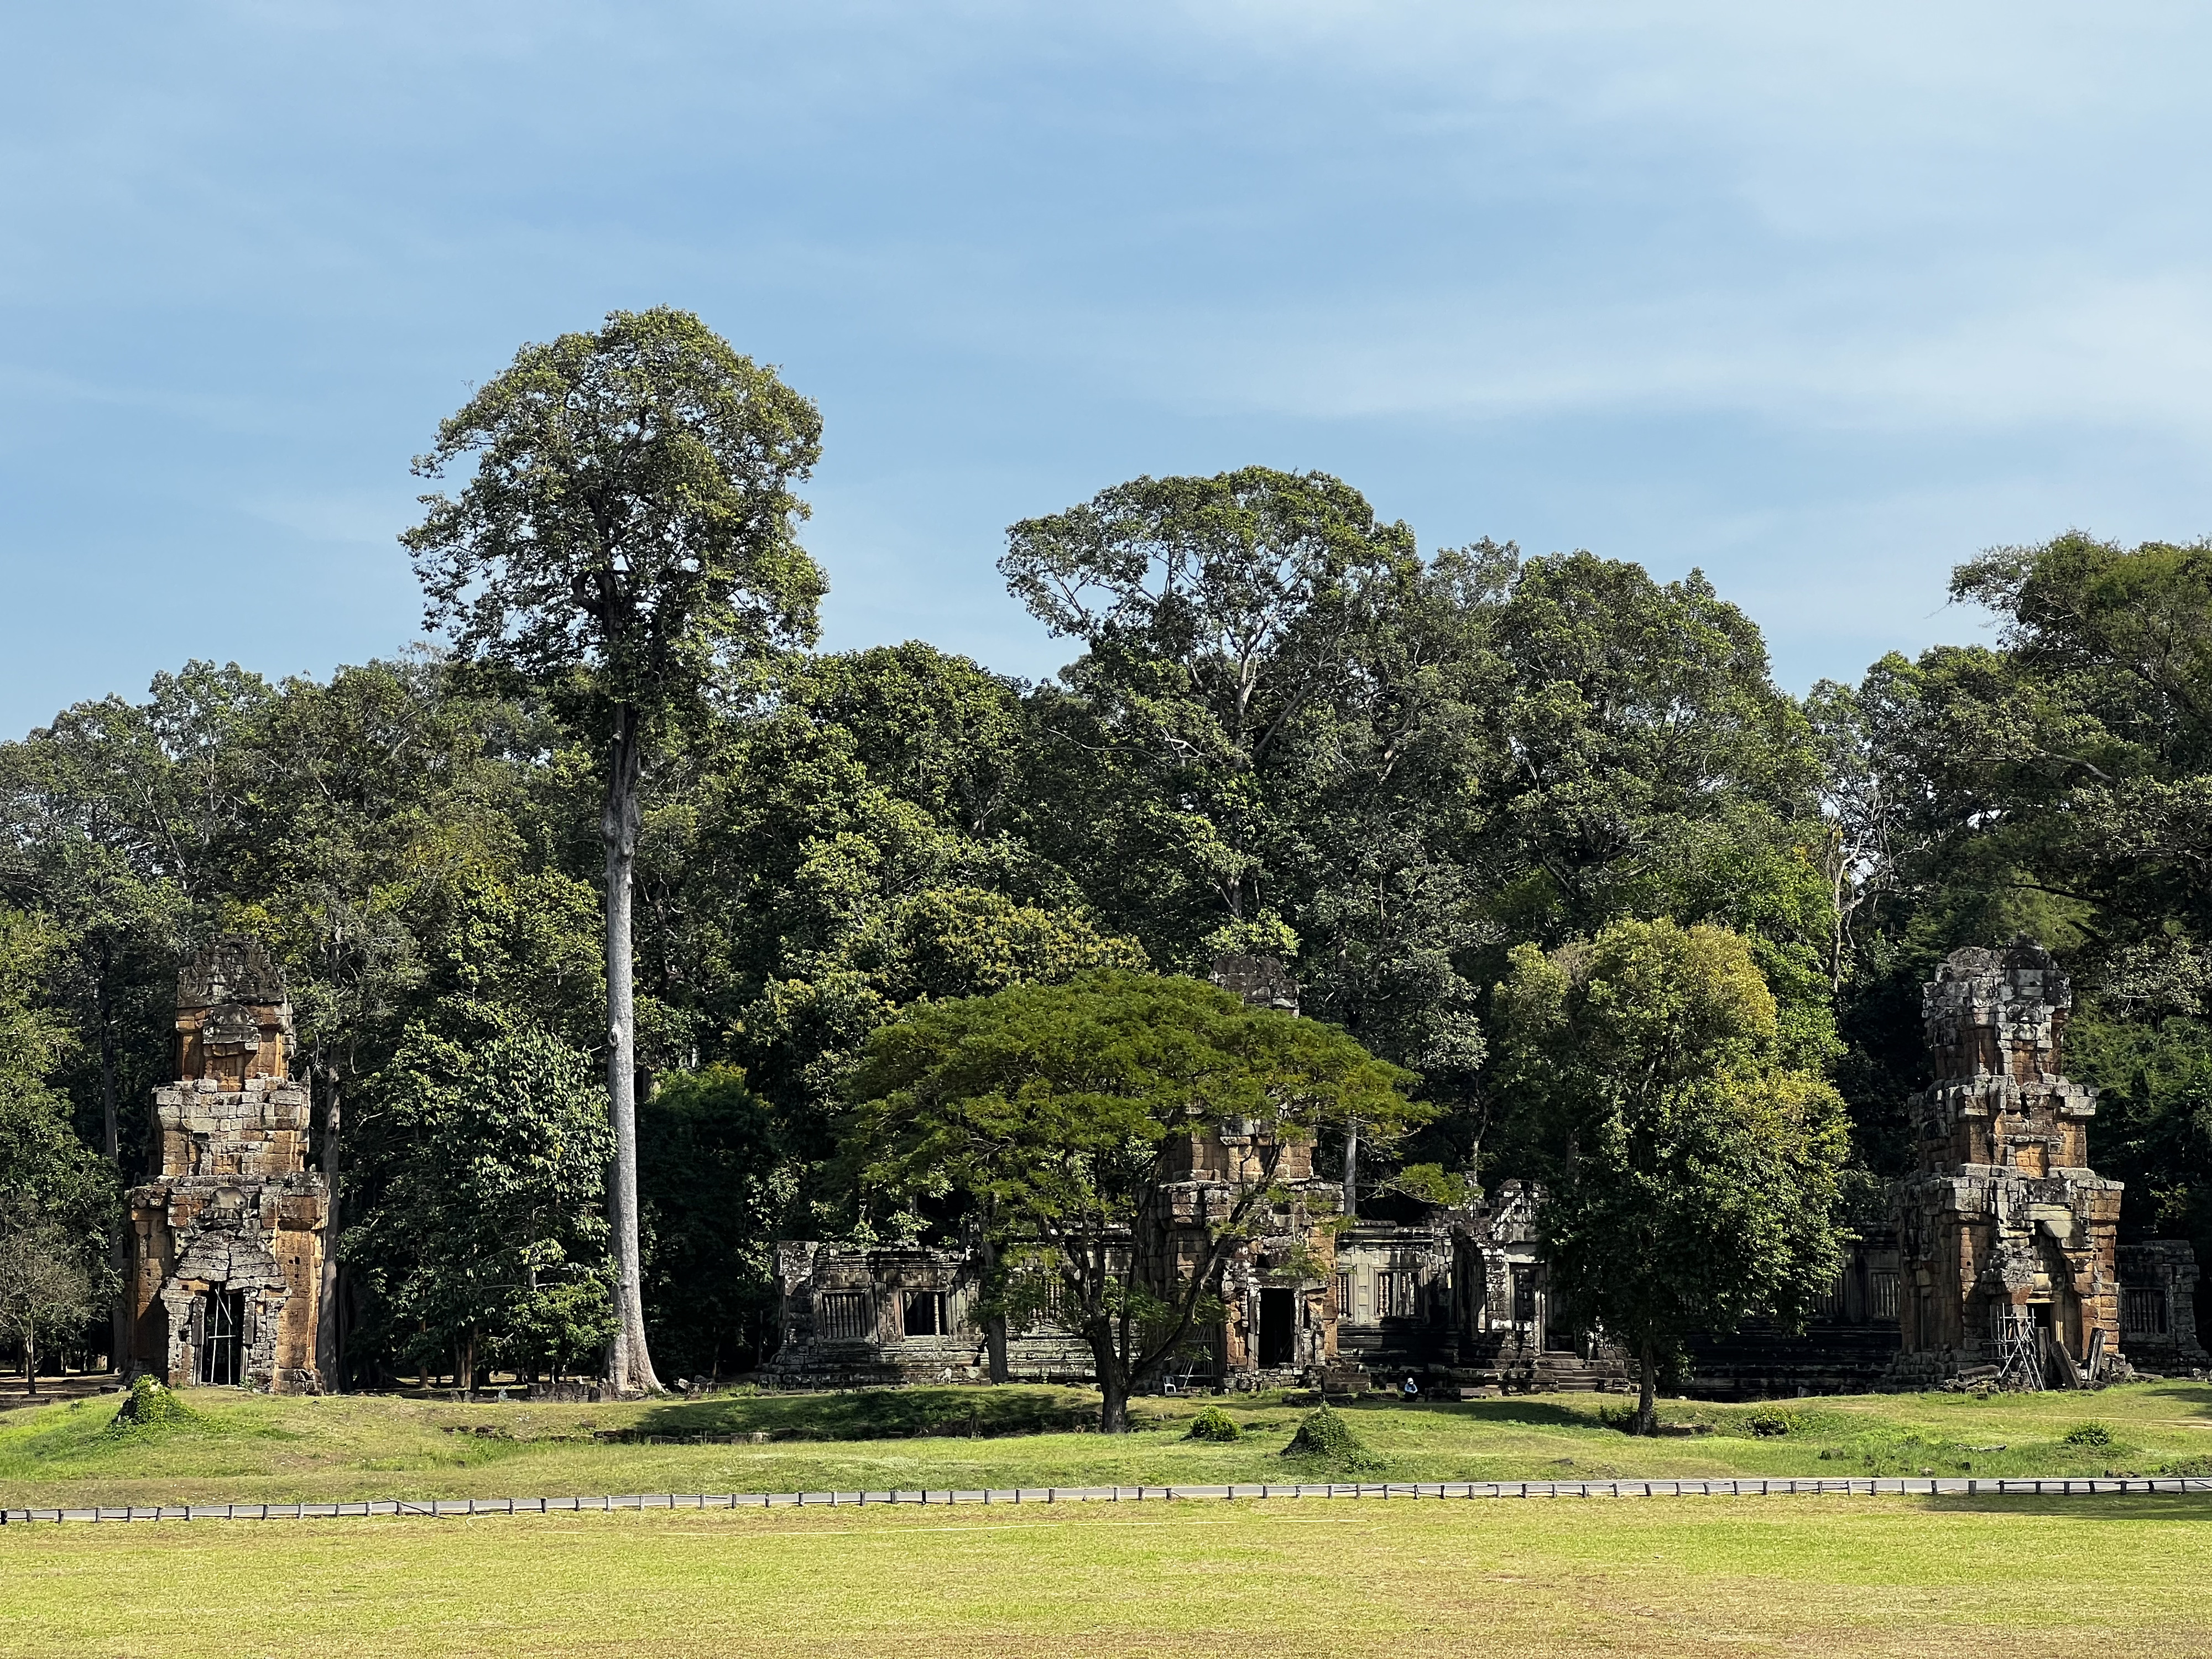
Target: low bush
x,y
2099,1434
1214,1423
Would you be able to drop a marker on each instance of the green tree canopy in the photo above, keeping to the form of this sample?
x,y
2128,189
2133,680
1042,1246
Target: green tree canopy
x,y
1694,1175
2056,784
1057,1110
488,1243
627,537
719,1188
46,1170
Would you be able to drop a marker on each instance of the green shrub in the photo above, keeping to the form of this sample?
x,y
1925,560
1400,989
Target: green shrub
x,y
2199,1466
2089,1434
1214,1424
1325,1438
148,1407
1768,1426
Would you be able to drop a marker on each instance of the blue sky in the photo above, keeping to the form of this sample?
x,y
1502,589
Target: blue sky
x,y
1821,299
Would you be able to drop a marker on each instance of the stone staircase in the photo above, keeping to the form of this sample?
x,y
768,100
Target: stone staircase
x,y
1761,1362
1514,1361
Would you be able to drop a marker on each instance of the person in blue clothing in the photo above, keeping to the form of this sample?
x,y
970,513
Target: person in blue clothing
x,y
1411,1389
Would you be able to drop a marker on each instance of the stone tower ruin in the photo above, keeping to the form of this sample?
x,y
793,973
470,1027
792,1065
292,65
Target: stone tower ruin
x,y
226,1263
2006,1237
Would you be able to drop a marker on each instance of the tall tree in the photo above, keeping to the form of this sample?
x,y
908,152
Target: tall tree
x,y
73,799
1059,1107
1694,1172
627,537
1215,613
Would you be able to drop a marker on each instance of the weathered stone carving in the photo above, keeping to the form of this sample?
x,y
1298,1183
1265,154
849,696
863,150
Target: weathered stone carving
x,y
226,1240
2006,1237
858,1317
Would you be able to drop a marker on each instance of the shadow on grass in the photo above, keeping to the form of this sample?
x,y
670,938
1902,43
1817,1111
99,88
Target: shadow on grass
x,y
877,1414
2196,1397
2144,1506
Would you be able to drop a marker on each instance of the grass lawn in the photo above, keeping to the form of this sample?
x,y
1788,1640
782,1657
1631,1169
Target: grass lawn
x,y
1933,1578
247,1448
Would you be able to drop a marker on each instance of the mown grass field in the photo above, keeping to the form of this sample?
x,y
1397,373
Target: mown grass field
x,y
240,1447
1692,1577
1659,1577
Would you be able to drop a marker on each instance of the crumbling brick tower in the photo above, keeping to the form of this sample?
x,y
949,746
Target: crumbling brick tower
x,y
1277,1317
227,1261
2006,1237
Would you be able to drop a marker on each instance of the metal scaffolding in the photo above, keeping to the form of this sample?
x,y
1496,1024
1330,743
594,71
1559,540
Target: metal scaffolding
x,y
2020,1350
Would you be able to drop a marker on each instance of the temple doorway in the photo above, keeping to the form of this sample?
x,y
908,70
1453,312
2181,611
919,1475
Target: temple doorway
x,y
1278,1338
222,1338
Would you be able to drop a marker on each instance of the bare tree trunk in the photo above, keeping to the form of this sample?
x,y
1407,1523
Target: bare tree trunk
x,y
630,1367
994,1324
1113,1388
1352,1168
30,1356
1647,1406
329,1358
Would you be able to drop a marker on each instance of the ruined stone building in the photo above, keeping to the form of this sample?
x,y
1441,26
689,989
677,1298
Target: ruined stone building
x,y
2004,1233
226,1240
2008,1240
1460,1301
909,1315
2007,1237
2158,1306
1458,1298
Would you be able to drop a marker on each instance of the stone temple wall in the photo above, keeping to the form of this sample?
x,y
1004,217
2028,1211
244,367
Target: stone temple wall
x,y
2006,1238
226,1263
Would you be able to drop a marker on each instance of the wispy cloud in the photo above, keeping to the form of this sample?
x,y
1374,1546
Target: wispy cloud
x,y
1787,291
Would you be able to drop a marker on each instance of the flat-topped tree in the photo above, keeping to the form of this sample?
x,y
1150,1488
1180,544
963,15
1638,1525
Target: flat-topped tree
x,y
628,539
1067,1115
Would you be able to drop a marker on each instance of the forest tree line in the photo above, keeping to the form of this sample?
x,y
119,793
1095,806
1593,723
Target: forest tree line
x,y
1284,729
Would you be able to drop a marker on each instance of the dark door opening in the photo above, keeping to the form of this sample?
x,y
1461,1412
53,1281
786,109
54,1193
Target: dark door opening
x,y
1558,1324
925,1313
1279,1314
222,1338
1525,1294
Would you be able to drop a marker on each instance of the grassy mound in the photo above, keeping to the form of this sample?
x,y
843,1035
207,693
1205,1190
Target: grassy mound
x,y
1326,1439
1216,1425
148,1409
